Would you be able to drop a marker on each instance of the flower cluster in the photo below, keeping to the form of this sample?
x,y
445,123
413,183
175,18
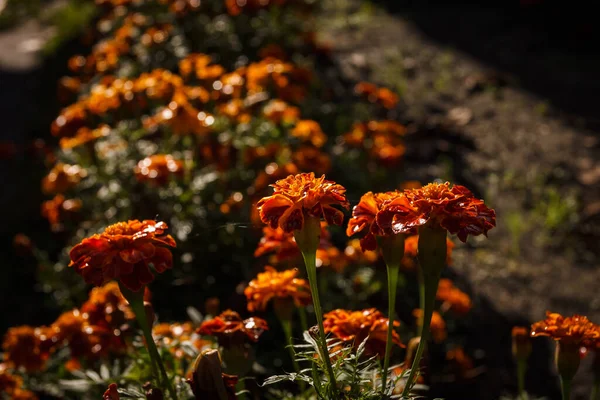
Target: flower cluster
x,y
12,386
94,331
452,298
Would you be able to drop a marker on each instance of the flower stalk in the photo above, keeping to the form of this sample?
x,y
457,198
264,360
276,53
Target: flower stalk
x,y
432,259
308,239
567,363
136,302
392,250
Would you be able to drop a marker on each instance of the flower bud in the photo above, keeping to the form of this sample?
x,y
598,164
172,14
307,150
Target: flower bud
x,y
208,380
152,393
568,358
521,343
111,393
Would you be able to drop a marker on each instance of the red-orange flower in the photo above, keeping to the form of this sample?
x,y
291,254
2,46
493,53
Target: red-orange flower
x,y
12,386
111,393
437,327
300,195
62,177
278,111
272,284
309,158
106,307
452,208
58,209
22,347
174,335
309,131
124,251
460,362
229,328
576,329
453,298
355,326
279,242
84,135
383,96
364,217
158,169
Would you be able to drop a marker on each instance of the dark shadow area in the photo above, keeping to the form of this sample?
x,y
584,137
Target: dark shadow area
x,y
548,48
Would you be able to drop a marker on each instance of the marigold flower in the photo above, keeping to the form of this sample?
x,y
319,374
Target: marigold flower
x,y
576,329
22,347
84,135
235,110
374,94
354,253
58,209
364,217
182,117
124,252
278,111
355,326
107,307
62,177
452,208
158,169
229,328
279,242
272,284
453,298
12,386
70,120
521,342
174,335
309,158
437,327
460,362
309,131
411,247
201,66
272,173
300,195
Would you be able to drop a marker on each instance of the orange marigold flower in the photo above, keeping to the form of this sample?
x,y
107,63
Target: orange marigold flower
x,y
12,386
576,329
452,208
309,158
300,195
354,253
235,110
70,120
174,335
272,284
374,94
364,217
331,257
58,209
84,135
272,173
278,111
107,307
453,298
437,327
158,169
460,362
309,131
22,347
279,242
124,252
355,326
182,117
411,247
230,329
62,178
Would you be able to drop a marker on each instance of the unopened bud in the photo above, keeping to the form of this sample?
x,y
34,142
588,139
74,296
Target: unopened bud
x,y
568,357
152,393
207,381
521,343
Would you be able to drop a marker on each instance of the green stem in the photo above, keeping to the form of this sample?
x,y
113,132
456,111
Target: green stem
x,y
287,330
240,387
303,323
565,385
308,239
392,250
521,365
432,259
136,302
392,272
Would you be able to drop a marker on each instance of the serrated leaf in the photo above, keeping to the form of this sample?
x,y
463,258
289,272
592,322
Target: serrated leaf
x,y
194,314
75,385
104,372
